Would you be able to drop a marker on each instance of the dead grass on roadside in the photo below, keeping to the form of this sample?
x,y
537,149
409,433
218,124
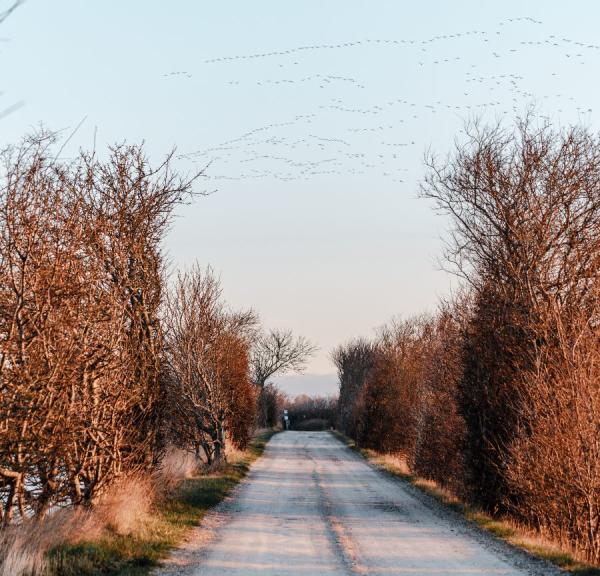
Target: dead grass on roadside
x,y
127,508
80,541
394,463
142,526
504,528
177,465
24,548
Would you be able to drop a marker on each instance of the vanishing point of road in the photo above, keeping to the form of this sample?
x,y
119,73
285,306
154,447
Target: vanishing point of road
x,y
311,506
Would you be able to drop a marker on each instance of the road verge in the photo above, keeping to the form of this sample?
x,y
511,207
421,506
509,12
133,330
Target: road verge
x,y
172,519
503,529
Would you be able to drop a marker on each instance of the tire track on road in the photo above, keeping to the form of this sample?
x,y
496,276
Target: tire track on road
x,y
340,538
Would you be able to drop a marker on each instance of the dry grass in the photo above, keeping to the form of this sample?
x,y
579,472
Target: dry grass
x,y
22,551
395,463
139,530
24,548
504,528
177,465
132,527
127,508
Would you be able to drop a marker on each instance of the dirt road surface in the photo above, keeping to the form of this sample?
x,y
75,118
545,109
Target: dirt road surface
x,y
310,506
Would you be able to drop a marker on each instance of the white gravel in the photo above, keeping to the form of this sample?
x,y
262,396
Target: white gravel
x,y
311,506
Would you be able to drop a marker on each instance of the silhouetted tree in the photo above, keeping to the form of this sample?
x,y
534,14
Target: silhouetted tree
x,y
353,361
276,352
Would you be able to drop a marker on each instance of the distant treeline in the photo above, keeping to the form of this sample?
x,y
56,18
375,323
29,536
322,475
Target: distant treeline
x,y
311,412
497,395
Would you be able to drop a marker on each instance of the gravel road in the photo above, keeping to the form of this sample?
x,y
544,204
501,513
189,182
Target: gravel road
x,y
311,506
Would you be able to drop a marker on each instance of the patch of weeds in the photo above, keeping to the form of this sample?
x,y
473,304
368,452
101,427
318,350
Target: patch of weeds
x,y
173,517
497,527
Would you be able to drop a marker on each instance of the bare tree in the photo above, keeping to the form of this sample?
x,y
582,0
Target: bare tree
x,y
497,396
525,211
207,371
276,352
8,11
81,284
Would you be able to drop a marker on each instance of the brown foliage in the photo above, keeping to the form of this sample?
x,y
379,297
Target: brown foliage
x,y
399,394
525,207
207,367
498,396
392,393
554,462
80,287
441,429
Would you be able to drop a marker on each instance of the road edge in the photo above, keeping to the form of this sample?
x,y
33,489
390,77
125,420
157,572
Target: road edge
x,y
183,558
519,557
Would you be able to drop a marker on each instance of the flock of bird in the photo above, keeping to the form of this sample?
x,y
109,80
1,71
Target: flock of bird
x,y
341,124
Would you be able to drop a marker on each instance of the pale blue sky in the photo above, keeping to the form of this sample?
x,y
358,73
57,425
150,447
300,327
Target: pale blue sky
x,y
315,222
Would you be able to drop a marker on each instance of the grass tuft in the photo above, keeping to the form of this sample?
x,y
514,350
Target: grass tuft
x,y
134,552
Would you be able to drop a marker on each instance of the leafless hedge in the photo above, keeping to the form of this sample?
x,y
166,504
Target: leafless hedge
x,y
497,395
208,387
81,279
102,363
